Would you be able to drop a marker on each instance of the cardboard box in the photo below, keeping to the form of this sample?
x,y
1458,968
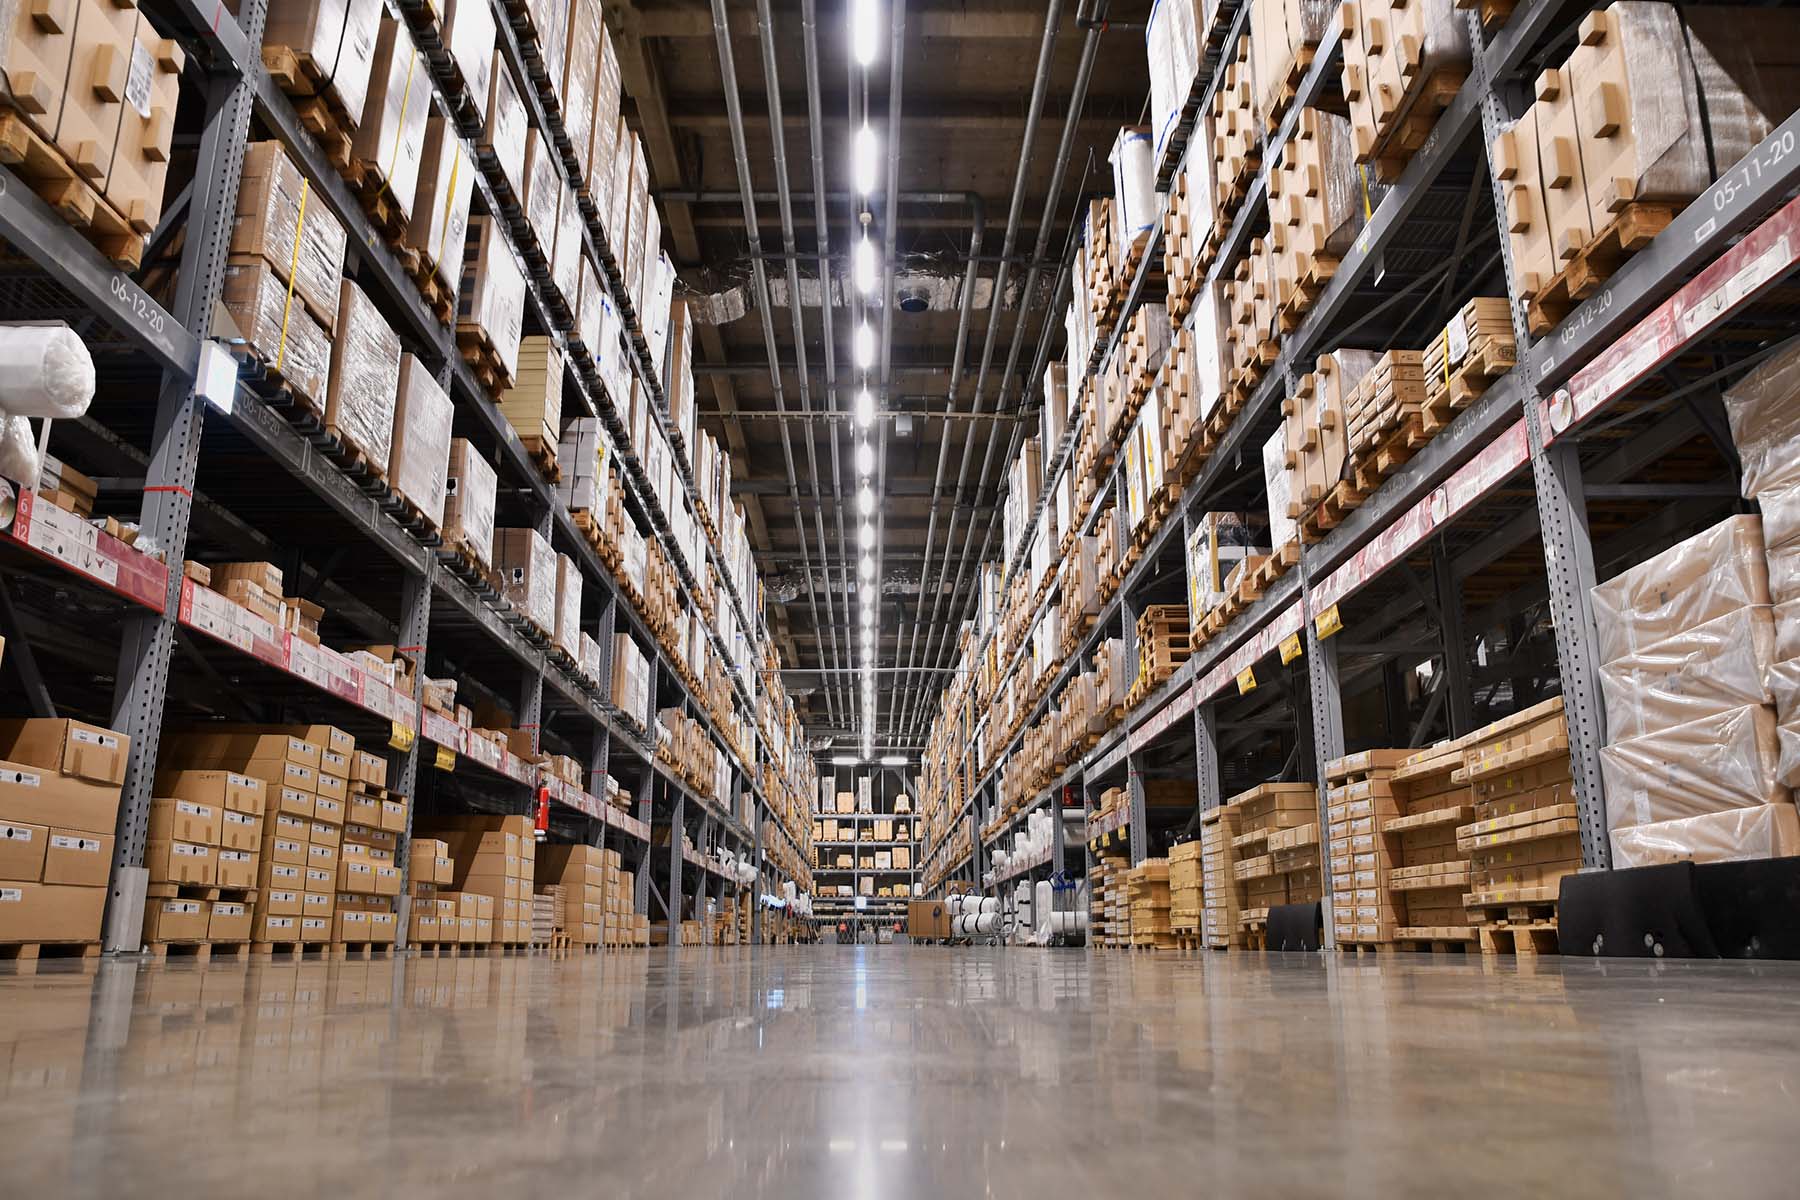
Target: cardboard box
x,y
275,927
469,496
315,929
226,790
183,821
240,831
420,458
31,794
440,218
391,137
78,859
22,848
285,336
322,856
371,769
72,748
226,749
170,920
393,816
181,862
228,921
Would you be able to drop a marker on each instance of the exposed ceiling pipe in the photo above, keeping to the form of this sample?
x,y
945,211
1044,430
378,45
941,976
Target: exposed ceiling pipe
x,y
891,222
1077,102
1034,111
833,401
728,74
778,131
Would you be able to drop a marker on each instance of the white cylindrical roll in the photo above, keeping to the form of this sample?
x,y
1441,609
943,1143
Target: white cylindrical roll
x,y
985,923
45,371
18,451
1069,922
989,904
953,904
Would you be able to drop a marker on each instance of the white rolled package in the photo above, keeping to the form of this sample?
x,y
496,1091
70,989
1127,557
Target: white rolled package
x,y
1764,831
45,371
1728,760
18,451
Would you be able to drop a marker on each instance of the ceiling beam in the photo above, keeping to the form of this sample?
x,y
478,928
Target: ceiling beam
x,y
954,23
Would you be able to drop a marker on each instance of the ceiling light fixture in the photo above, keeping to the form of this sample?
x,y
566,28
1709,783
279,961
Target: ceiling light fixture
x,y
865,31
864,346
865,408
865,458
865,150
866,568
863,265
865,500
865,537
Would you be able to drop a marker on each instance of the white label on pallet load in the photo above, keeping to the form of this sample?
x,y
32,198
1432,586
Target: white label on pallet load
x,y
137,80
92,737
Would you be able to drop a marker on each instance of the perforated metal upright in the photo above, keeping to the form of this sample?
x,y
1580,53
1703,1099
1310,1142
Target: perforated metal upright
x,y
141,691
415,622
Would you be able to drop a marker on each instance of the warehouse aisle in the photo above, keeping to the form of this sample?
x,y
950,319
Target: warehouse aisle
x,y
898,1071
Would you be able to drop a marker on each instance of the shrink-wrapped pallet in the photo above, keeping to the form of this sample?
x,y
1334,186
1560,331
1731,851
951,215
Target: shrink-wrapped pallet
x,y
527,566
391,138
1705,669
1283,34
603,140
565,260
1172,46
567,634
278,328
337,37
492,296
1390,51
1723,761
1135,208
440,220
504,125
466,28
632,261
470,487
1706,576
1667,97
1763,831
1763,409
581,63
1218,543
420,455
1318,202
547,21
1784,685
365,377
277,206
615,215
543,190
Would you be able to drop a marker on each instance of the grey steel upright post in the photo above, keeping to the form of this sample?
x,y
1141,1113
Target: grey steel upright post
x,y
1325,691
415,621
140,690
677,828
1563,529
756,907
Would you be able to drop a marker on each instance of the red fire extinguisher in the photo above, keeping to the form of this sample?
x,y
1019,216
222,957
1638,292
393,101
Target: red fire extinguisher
x,y
543,812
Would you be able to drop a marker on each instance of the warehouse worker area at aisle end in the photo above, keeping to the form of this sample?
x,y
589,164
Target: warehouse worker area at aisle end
x,y
895,597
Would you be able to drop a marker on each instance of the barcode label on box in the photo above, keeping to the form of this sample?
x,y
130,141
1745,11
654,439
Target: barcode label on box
x,y
63,841
16,833
93,737
137,80
20,778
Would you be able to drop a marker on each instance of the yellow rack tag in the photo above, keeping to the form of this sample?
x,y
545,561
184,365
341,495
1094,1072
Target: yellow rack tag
x,y
1246,681
401,737
1328,622
1290,648
446,759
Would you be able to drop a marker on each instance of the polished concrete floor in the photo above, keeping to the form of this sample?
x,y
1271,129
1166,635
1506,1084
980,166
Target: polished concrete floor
x,y
896,1071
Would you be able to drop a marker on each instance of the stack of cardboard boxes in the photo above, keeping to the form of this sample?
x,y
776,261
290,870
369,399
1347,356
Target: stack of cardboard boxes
x,y
59,806
494,866
1359,802
1266,813
578,873
432,920
203,852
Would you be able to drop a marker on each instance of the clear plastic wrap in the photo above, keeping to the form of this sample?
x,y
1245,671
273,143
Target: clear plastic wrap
x,y
45,371
1278,485
1172,45
492,296
440,222
565,267
631,252
1787,630
527,567
470,487
365,376
1784,573
420,458
1764,412
392,135
466,28
1719,664
1682,91
338,36
616,216
568,606
581,63
1219,541
18,458
549,20
1319,199
1727,760
543,190
1780,503
503,131
1708,575
1765,831
283,334
604,138
275,201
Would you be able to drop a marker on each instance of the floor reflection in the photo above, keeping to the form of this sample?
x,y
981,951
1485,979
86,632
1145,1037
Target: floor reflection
x,y
898,1071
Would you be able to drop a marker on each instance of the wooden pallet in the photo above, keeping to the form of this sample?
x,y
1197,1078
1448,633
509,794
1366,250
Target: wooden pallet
x,y
1307,289
291,950
25,953
362,951
543,456
199,951
1487,360
378,201
316,102
1288,87
1636,225
1402,134
47,173
1521,940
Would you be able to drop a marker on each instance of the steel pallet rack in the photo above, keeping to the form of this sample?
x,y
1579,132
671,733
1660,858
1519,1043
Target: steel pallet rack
x,y
408,594
888,786
1438,565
